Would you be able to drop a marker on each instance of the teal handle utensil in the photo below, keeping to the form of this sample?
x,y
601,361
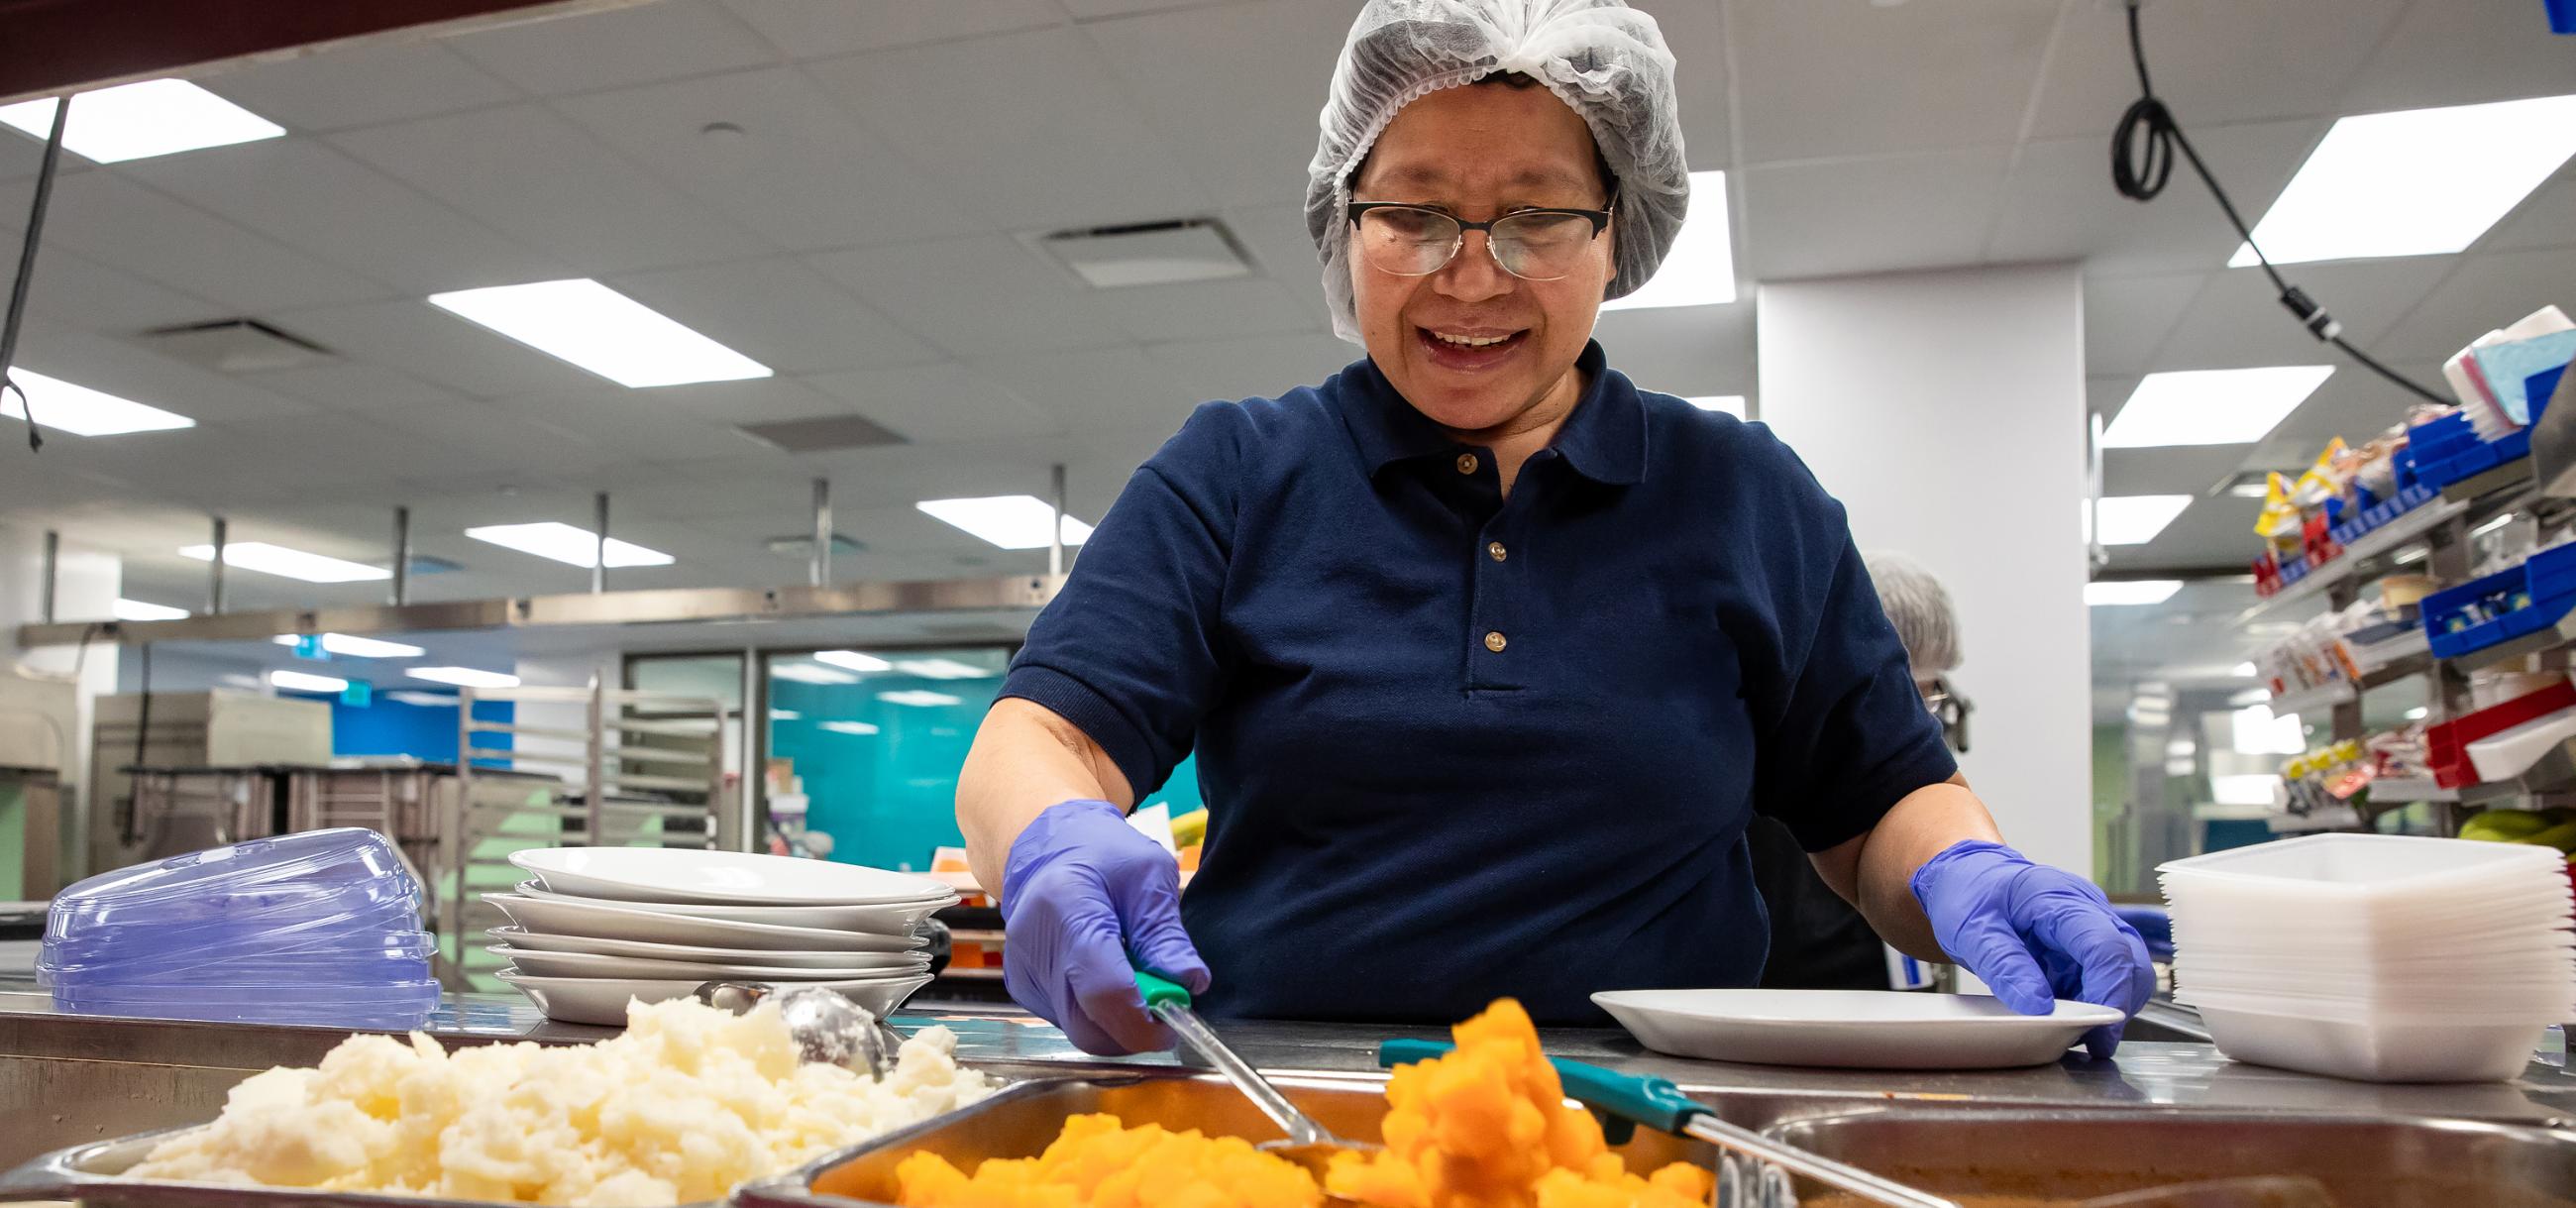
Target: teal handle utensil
x,y
1630,1099
1653,1102
1160,990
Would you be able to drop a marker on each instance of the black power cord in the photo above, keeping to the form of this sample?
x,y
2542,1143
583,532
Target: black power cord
x,y
17,315
2142,161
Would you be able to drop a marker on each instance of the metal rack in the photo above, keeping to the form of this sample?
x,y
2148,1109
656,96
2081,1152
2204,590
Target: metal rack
x,y
2443,528
638,769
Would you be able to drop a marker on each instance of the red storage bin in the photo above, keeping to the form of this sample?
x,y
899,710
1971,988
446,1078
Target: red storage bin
x,y
2446,746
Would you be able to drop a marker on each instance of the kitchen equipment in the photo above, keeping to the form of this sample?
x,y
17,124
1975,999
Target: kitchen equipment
x,y
584,964
1308,1144
828,1028
1658,1104
833,918
1869,1029
636,921
532,941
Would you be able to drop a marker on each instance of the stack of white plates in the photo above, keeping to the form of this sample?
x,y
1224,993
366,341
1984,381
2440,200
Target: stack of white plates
x,y
600,926
2382,957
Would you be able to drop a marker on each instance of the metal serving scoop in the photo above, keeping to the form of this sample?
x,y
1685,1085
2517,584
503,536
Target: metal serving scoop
x,y
827,1028
1307,1144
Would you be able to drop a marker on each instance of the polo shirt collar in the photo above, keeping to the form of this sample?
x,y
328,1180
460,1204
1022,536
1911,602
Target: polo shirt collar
x,y
1603,440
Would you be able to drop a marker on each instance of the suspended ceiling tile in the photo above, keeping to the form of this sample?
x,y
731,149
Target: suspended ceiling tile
x,y
934,403
816,29
780,312
2239,321
796,169
1083,157
2059,203
615,47
1844,78
2213,61
1870,215
2127,318
2488,292
973,296
122,223
360,85
530,174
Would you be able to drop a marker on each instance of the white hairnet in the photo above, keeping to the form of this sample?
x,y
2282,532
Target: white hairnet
x,y
1603,59
1920,610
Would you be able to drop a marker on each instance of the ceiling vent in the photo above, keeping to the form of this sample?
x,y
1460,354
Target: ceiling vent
x,y
821,434
1150,253
235,346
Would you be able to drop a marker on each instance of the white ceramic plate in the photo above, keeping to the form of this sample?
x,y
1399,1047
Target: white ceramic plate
x,y
603,1000
644,950
855,966
886,919
555,916
1865,1029
720,878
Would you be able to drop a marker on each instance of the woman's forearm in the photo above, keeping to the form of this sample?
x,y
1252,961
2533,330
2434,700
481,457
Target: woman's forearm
x,y
1025,759
1875,872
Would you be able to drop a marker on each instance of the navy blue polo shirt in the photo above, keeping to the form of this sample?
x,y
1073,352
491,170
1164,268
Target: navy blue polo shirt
x,y
1456,746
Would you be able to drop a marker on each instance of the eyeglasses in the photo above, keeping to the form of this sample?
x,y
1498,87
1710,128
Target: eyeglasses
x,y
1533,245
1950,709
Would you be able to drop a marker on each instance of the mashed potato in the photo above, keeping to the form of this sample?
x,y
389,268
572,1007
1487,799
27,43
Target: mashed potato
x,y
687,1103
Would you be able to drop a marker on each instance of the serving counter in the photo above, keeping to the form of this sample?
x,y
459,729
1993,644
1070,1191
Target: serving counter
x,y
69,1079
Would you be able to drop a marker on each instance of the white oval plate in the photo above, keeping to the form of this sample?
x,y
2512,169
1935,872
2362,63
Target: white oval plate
x,y
519,937
720,878
855,966
1863,1029
555,916
883,920
603,1000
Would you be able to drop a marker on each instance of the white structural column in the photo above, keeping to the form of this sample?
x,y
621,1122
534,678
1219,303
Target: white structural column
x,y
1946,410
86,584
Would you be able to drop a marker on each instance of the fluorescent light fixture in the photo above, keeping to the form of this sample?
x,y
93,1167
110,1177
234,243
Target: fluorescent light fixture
x,y
847,727
288,563
138,121
602,331
1731,404
785,715
2130,591
852,659
423,700
1700,268
2495,525
2422,182
2211,406
918,698
2136,519
464,677
2418,713
2250,696
566,544
297,681
82,411
1009,521
809,673
357,647
2255,731
138,610
944,669
2247,669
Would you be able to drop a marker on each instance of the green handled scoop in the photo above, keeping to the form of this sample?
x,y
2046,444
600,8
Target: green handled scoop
x,y
1308,1144
1658,1104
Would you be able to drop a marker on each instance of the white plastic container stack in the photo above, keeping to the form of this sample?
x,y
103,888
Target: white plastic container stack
x,y
2379,957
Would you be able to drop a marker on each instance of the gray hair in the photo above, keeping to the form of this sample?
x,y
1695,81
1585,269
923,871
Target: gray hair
x,y
1920,610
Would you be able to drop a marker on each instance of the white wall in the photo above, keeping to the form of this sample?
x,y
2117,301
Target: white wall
x,y
1946,410
85,586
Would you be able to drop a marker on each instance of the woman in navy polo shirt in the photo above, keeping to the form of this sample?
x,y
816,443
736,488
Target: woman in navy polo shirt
x,y
1488,656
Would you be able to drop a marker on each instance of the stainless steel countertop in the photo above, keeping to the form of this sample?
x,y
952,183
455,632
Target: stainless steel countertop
x,y
2154,1074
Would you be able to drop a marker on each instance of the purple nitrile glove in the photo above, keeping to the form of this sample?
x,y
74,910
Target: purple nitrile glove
x,y
1082,893
2034,934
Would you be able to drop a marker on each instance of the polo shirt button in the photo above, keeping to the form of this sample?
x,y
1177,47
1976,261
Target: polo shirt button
x,y
1494,640
1494,549
1466,463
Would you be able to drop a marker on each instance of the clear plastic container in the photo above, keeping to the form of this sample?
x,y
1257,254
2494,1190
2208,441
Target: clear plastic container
x,y
261,885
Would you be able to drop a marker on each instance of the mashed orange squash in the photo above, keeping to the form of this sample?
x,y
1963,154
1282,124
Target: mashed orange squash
x,y
1486,1126
1483,1127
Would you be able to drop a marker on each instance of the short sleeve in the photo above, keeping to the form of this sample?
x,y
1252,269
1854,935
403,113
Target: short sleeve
x,y
1130,651
1844,733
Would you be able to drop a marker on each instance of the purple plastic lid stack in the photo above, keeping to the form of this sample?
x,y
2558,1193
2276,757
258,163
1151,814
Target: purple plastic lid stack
x,y
320,927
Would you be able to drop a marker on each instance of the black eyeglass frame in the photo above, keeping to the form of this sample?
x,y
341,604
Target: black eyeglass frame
x,y
1600,220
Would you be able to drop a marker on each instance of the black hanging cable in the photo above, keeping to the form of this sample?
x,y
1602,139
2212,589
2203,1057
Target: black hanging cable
x,y
2142,161
27,271
129,824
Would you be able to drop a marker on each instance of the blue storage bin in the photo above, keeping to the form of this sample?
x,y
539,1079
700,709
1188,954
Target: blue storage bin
x,y
2534,607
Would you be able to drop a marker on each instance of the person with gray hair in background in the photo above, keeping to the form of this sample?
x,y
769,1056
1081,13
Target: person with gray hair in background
x,y
1818,940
